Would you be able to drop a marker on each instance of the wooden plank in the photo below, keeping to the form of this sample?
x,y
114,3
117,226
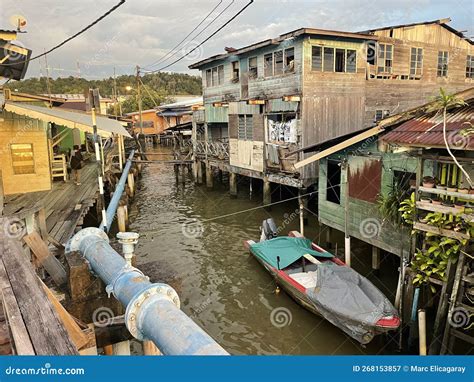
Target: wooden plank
x,y
18,333
440,231
79,338
438,191
445,210
48,261
47,332
340,146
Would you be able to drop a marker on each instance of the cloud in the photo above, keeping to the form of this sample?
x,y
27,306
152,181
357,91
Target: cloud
x,y
141,32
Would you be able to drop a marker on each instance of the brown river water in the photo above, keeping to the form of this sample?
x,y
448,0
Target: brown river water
x,y
225,291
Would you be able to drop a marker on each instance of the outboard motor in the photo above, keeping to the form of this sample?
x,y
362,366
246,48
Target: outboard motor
x,y
269,230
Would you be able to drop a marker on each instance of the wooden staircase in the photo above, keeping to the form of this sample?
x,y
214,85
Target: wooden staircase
x,y
59,167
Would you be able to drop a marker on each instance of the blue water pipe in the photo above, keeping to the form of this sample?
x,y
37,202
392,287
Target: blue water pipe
x,y
152,310
114,202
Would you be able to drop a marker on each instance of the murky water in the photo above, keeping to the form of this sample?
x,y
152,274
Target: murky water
x,y
220,285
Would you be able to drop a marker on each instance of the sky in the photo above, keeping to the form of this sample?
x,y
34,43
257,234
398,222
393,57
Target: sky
x,y
142,32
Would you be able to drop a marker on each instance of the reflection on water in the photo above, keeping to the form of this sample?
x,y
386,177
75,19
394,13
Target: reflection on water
x,y
221,287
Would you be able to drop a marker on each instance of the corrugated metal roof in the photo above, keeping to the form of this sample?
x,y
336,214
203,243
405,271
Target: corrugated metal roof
x,y
427,131
71,119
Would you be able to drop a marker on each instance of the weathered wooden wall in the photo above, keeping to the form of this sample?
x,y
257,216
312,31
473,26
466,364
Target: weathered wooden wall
x,y
18,129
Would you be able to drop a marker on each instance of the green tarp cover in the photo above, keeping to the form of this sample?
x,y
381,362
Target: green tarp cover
x,y
289,249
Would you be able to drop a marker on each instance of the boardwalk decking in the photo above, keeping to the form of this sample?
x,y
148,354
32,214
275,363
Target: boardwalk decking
x,y
65,204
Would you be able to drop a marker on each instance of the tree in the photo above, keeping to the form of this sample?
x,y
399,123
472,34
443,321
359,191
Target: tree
x,y
444,102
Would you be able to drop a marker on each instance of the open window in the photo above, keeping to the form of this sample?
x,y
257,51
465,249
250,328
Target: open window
x,y
333,182
220,74
208,78
22,158
290,60
371,52
278,58
268,65
235,71
253,70
214,76
351,61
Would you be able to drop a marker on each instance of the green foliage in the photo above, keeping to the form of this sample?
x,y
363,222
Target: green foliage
x,y
162,83
389,205
408,209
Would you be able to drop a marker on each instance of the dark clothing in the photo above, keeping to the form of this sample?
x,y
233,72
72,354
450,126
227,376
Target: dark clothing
x,y
76,160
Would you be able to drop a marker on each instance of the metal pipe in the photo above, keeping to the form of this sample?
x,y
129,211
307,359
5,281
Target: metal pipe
x,y
114,202
152,310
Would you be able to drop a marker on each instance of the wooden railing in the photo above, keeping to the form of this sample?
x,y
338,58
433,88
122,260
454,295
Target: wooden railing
x,y
213,149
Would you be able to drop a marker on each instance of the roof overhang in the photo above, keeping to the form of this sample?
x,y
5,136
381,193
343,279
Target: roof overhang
x,y
283,37
7,35
73,120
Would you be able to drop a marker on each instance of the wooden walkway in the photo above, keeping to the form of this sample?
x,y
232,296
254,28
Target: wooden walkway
x,y
65,204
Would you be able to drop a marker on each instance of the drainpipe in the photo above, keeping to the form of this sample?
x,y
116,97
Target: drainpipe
x,y
152,310
114,202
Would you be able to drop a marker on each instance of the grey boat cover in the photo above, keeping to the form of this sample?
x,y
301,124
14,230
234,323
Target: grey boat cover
x,y
349,301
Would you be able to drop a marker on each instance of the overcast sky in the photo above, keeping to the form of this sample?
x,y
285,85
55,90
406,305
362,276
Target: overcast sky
x,y
143,31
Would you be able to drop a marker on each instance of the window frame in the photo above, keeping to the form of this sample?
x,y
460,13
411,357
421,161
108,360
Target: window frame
x,y
384,58
246,128
286,66
12,156
420,67
209,78
320,47
470,66
442,64
265,66
253,70
235,69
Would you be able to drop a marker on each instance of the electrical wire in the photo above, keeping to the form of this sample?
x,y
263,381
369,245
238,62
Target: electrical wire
x,y
72,37
149,93
184,39
205,40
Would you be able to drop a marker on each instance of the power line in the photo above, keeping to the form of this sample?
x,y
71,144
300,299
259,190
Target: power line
x,y
207,39
72,37
184,39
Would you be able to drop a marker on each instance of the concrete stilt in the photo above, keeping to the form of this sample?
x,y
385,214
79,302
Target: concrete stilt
x,y
304,200
375,258
267,192
121,219
233,184
121,348
199,178
347,250
131,184
328,237
149,348
209,176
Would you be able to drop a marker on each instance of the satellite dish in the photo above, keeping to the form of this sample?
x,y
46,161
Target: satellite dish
x,y
18,21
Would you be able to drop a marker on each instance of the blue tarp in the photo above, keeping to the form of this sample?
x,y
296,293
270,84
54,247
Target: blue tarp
x,y
289,249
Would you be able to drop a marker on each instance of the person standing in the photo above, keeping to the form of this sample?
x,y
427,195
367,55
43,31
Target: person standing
x,y
76,165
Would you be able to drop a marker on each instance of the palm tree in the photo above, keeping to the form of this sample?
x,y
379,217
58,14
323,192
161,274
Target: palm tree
x,y
444,102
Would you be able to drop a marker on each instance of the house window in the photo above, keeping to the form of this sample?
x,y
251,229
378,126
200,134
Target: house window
x,y
371,52
470,67
340,60
351,59
22,158
290,60
384,58
214,76
278,58
208,78
443,64
416,61
316,58
246,127
268,65
333,182
328,64
253,71
381,114
220,74
235,70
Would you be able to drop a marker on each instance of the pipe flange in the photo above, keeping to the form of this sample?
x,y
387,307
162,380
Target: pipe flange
x,y
74,243
162,291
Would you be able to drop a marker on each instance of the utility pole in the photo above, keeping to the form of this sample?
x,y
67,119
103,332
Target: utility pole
x,y
115,96
47,80
140,117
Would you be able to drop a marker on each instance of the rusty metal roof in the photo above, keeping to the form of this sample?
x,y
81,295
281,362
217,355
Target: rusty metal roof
x,y
427,130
